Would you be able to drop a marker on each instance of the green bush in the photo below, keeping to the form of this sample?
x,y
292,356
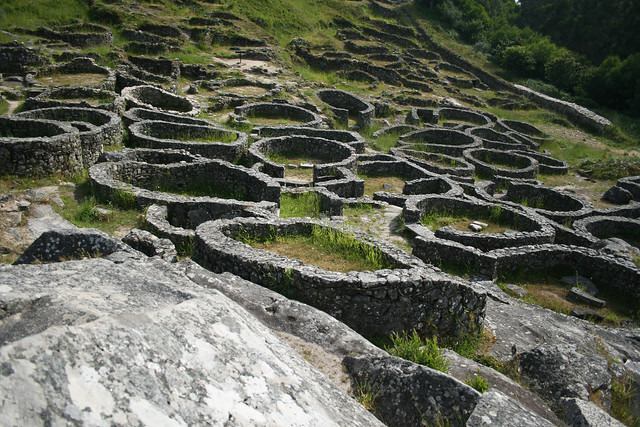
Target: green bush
x,y
412,347
519,60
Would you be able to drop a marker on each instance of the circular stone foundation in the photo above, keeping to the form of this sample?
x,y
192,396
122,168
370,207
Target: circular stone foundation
x,y
345,104
141,114
322,155
151,97
209,141
496,140
530,131
372,302
248,89
520,228
492,163
605,227
77,97
97,127
437,163
559,206
80,69
205,181
30,147
275,114
445,141
353,139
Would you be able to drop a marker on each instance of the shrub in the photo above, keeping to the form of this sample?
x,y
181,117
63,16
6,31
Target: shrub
x,y
519,60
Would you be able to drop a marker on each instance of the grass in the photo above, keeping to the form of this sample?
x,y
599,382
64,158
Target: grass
x,y
307,204
4,107
293,157
85,79
325,248
382,143
221,137
422,351
273,121
33,13
621,402
366,396
546,290
377,183
461,220
610,168
477,382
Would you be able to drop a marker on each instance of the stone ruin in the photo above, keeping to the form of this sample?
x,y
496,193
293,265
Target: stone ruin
x,y
206,187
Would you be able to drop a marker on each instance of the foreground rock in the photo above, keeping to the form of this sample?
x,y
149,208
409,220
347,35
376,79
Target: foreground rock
x,y
135,342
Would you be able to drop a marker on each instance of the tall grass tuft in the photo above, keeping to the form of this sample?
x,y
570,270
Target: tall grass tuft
x,y
424,352
300,205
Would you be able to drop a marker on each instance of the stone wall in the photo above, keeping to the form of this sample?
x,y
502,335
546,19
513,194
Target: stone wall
x,y
105,128
410,296
342,100
160,135
31,147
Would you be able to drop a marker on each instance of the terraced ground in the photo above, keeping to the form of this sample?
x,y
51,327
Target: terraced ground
x,y
399,85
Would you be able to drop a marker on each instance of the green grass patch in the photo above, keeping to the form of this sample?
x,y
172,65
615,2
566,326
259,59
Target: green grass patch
x,y
477,382
33,13
621,402
388,183
293,157
611,167
215,136
546,290
461,220
325,248
80,207
4,107
307,204
422,351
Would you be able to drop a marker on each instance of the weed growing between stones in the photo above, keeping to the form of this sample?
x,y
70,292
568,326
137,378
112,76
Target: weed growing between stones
x,y
621,399
422,351
300,205
477,382
323,247
366,396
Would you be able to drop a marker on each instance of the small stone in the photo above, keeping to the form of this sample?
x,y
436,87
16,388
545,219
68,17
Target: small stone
x,y
581,282
481,224
518,291
292,166
306,165
102,213
579,412
387,187
617,195
581,313
475,227
22,205
583,297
